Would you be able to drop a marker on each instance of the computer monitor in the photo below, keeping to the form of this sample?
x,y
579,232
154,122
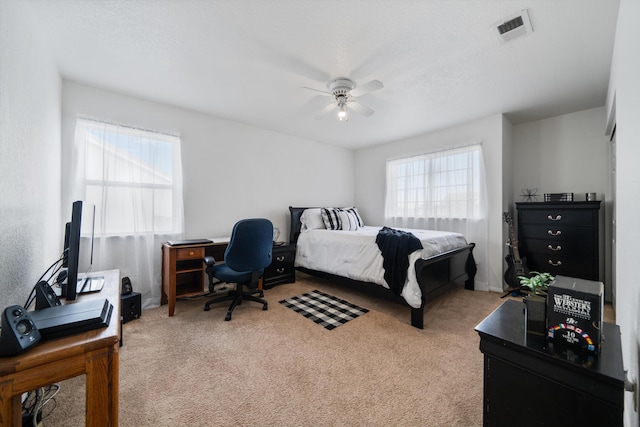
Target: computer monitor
x,y
73,254
79,252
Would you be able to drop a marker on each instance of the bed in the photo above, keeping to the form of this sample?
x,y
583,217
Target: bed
x,y
352,255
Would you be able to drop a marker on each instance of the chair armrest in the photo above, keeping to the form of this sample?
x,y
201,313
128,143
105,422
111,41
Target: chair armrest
x,y
209,261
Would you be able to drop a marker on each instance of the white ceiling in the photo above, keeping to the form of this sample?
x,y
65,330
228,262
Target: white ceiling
x,y
247,60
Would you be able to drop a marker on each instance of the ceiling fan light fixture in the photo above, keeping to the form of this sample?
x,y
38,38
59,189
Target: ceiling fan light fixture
x,y
340,89
341,100
342,114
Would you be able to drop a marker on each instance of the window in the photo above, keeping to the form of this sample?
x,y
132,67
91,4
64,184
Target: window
x,y
132,176
446,184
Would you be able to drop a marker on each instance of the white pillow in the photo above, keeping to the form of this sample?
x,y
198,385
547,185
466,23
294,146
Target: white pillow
x,y
311,219
348,220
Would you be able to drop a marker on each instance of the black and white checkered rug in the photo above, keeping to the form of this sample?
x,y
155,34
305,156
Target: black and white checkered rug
x,y
324,309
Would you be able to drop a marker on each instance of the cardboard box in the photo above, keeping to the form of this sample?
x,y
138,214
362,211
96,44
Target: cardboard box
x,y
574,312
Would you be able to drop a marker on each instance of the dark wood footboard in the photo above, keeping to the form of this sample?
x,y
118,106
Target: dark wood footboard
x,y
434,274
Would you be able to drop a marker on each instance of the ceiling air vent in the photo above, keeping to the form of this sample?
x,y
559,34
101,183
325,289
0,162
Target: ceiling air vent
x,y
513,27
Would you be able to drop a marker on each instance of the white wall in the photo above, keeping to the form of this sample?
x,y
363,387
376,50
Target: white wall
x,y
30,226
371,171
567,153
625,85
230,170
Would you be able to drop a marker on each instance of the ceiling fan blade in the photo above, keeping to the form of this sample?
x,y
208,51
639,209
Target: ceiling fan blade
x,y
324,92
366,88
360,108
326,110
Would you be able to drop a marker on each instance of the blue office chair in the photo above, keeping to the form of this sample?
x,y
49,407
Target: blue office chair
x,y
246,257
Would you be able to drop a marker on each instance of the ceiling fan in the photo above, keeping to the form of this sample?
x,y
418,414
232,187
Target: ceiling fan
x,y
344,92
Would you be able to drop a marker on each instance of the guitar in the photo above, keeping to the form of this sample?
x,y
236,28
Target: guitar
x,y
516,266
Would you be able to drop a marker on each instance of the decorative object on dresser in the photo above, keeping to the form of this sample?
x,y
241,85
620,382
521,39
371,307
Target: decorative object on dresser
x,y
575,313
558,197
516,266
282,268
529,194
561,238
536,302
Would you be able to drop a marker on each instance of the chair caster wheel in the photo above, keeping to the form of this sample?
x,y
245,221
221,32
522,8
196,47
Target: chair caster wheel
x,y
264,307
227,317
206,308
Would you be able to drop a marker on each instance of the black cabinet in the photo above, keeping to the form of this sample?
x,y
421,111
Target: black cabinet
x,y
528,382
561,237
282,268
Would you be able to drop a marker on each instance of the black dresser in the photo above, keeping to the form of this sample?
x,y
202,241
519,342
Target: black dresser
x,y
529,382
561,237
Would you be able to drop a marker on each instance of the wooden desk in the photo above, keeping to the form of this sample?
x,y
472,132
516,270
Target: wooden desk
x,y
94,353
183,269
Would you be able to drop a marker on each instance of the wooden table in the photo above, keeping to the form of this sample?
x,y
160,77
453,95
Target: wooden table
x,y
94,353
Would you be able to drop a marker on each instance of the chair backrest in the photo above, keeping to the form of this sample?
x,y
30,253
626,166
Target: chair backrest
x,y
250,246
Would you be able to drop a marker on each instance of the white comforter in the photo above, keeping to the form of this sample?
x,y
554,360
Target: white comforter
x,y
355,254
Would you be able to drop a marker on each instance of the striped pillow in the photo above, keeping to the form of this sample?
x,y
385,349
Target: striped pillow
x,y
348,220
355,213
331,218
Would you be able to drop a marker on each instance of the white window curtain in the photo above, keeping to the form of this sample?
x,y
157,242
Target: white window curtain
x,y
444,190
134,179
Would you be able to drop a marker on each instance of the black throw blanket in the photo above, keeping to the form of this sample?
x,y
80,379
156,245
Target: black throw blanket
x,y
396,246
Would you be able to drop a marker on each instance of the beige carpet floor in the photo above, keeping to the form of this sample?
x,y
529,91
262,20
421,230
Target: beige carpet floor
x,y
278,368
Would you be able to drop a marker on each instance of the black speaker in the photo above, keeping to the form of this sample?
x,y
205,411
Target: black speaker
x,y
126,286
45,296
131,306
18,331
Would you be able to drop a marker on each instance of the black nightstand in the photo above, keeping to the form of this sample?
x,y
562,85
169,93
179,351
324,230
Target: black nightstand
x,y
281,269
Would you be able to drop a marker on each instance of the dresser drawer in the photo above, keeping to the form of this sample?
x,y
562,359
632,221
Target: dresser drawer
x,y
557,217
189,253
557,247
556,233
572,266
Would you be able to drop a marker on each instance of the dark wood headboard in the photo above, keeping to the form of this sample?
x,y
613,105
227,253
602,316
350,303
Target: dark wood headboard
x,y
296,225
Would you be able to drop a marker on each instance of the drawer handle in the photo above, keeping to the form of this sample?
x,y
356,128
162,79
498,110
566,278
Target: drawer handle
x,y
280,258
555,264
554,233
557,218
280,270
557,248
192,253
